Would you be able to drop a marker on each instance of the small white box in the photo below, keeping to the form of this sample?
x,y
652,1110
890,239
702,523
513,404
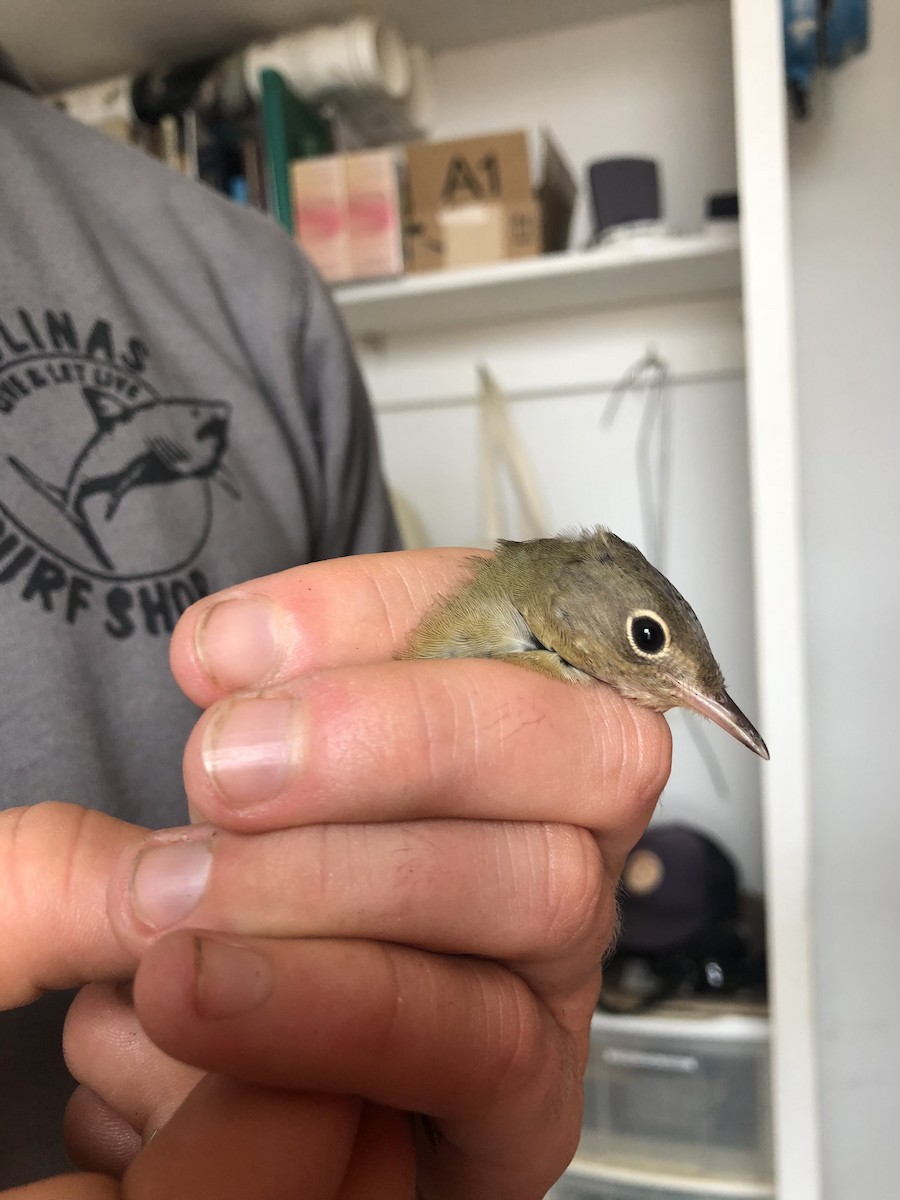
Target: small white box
x,y
680,1093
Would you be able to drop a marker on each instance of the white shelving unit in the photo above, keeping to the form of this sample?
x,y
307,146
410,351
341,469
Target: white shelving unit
x,y
761,131
764,261
137,36
639,271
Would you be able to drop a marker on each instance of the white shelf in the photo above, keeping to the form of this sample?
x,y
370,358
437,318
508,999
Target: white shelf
x,y
619,275
95,39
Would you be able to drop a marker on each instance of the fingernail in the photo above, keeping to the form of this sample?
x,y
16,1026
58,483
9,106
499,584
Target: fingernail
x,y
230,979
240,642
168,880
252,748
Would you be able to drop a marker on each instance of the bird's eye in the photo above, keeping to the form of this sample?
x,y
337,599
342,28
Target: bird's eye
x,y
648,634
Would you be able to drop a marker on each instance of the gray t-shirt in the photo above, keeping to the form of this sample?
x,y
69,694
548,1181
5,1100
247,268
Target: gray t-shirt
x,y
179,411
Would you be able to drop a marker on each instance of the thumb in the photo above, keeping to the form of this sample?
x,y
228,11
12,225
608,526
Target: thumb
x,y
55,863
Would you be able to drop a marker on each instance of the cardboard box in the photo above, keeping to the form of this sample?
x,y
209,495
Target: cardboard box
x,y
321,217
373,201
347,214
471,201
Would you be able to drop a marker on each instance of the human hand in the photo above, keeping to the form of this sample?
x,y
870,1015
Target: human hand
x,y
437,854
228,1140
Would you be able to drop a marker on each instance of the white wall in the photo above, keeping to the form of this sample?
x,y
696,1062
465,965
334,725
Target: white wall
x,y
657,84
845,174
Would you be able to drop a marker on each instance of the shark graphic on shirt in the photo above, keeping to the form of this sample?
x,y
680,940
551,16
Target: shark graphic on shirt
x,y
158,441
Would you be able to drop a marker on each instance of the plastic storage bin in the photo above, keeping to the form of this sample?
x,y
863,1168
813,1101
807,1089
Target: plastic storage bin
x,y
680,1094
575,1186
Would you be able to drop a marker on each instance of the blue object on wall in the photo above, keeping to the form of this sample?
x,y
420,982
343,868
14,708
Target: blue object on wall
x,y
846,30
820,33
801,49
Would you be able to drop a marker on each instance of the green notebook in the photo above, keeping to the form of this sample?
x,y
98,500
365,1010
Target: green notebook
x,y
293,129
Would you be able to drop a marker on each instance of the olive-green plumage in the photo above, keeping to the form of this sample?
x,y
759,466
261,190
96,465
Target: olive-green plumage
x,y
585,608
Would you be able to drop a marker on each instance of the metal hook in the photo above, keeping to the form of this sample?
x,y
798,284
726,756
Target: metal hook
x,y
650,363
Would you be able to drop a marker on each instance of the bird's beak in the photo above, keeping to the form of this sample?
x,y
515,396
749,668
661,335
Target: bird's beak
x,y
726,714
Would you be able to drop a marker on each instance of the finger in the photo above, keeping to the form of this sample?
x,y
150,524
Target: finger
x,y
404,741
97,1137
126,1076
532,895
384,1161
55,863
69,1187
230,1141
141,1089
349,610
459,1039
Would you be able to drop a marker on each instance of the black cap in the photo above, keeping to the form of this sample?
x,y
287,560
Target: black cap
x,y
677,885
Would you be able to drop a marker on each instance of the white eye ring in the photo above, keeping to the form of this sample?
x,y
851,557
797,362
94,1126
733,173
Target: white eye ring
x,y
651,619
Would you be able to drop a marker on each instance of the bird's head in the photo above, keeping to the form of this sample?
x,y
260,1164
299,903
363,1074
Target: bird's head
x,y
608,613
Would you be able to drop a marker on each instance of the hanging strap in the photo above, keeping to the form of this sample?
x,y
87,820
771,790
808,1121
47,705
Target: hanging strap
x,y
501,445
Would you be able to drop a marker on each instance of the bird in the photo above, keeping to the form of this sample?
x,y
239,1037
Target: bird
x,y
586,607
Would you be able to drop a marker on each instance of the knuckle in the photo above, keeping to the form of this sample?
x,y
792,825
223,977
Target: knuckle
x,y
27,836
538,1058
402,722
650,754
629,749
575,896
